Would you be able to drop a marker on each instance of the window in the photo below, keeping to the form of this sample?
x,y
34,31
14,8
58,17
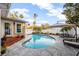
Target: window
x,y
7,29
18,28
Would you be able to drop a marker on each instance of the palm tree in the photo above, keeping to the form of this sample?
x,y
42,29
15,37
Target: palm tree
x,y
74,20
71,11
66,29
35,16
34,23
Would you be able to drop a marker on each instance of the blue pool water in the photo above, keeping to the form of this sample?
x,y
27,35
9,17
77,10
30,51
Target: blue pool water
x,y
39,41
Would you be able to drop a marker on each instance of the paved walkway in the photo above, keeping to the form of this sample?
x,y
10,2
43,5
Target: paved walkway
x,y
58,49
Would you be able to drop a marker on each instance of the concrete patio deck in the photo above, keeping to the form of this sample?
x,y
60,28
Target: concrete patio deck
x,y
58,49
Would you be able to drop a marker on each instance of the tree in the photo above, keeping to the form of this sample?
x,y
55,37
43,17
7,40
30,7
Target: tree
x,y
35,16
21,16
34,23
66,29
45,26
16,15
37,28
71,11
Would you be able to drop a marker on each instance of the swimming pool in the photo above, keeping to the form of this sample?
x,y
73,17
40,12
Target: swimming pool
x,y
39,41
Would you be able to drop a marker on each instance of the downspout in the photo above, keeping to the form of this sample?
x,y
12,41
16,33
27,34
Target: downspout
x,y
75,28
0,23
0,31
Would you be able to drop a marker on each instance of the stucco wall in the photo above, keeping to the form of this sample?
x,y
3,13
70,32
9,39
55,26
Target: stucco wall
x,y
22,29
3,28
4,8
57,30
52,30
13,28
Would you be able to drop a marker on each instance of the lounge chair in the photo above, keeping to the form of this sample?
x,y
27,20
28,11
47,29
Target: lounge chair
x,y
64,35
77,54
67,35
69,39
74,44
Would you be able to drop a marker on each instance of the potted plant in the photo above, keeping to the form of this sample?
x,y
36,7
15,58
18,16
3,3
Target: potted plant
x,y
3,47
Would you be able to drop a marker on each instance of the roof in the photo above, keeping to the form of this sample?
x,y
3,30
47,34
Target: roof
x,y
9,19
62,25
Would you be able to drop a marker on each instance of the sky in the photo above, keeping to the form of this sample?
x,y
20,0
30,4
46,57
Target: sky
x,y
47,12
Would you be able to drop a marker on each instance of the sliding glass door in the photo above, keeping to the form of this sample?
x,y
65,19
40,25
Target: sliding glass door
x,y
7,29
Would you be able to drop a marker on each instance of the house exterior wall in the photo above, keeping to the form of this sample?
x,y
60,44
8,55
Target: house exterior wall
x,y
22,28
4,9
57,30
13,28
3,28
52,30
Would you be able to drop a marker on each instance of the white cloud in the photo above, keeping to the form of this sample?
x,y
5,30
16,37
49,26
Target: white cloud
x,y
56,12
52,11
61,17
43,5
20,11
